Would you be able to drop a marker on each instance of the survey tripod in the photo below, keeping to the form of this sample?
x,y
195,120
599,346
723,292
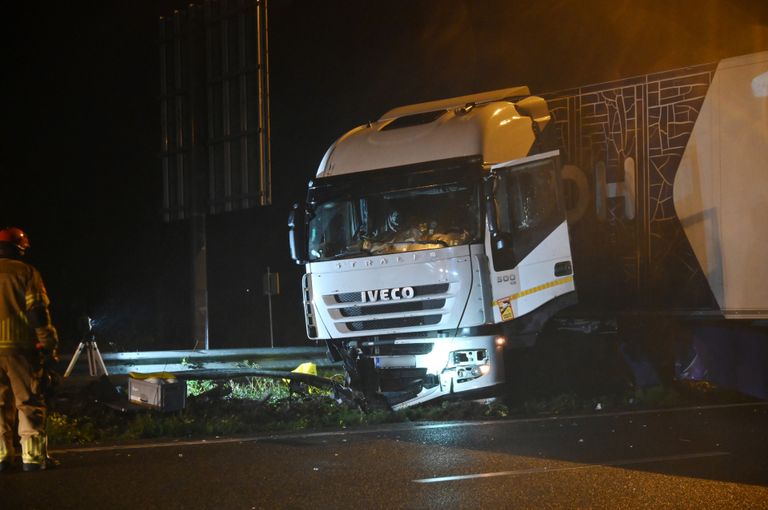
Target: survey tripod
x,y
96,364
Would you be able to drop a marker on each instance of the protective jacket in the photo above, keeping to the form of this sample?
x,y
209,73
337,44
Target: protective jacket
x,y
25,327
24,309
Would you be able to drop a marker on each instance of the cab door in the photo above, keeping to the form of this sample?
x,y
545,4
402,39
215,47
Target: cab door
x,y
527,235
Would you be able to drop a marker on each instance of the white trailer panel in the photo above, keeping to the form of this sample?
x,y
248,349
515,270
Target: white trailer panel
x,y
721,187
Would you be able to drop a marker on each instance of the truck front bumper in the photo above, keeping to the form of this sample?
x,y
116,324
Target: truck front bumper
x,y
452,366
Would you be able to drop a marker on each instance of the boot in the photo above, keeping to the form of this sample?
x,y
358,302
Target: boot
x,y
6,455
34,456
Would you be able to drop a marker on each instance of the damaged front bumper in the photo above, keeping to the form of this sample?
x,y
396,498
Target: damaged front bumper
x,y
413,371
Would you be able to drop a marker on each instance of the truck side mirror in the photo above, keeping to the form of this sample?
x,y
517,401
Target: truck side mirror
x,y
297,234
501,242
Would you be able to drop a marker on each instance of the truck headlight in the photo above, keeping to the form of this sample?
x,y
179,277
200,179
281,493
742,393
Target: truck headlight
x,y
470,364
464,374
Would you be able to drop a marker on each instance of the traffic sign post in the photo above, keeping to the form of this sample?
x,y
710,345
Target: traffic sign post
x,y
271,284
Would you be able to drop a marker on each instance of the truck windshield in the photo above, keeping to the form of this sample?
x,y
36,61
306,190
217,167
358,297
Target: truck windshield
x,y
409,218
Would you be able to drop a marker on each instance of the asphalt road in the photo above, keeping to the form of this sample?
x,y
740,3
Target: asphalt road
x,y
711,457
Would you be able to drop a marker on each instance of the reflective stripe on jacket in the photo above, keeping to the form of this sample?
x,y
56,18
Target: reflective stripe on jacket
x,y
21,290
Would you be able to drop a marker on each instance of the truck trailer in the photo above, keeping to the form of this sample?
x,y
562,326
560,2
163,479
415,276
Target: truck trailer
x,y
442,236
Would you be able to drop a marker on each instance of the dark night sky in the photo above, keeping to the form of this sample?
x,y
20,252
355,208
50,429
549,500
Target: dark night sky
x,y
81,117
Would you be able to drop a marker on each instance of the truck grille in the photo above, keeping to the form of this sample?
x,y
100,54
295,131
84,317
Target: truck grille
x,y
412,349
407,306
425,308
419,291
402,322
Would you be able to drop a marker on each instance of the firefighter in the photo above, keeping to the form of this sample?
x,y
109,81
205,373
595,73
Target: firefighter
x,y
28,340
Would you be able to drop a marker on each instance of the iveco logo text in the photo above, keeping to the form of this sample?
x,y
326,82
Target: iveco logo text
x,y
386,294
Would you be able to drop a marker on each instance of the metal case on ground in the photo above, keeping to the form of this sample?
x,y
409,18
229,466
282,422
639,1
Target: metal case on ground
x,y
158,393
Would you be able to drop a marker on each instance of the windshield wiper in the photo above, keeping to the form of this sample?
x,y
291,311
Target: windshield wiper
x,y
350,253
429,241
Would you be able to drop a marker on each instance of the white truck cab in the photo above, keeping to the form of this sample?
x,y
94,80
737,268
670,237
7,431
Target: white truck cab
x,y
433,239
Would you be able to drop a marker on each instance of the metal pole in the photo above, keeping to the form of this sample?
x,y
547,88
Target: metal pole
x,y
200,280
194,149
165,156
269,300
262,46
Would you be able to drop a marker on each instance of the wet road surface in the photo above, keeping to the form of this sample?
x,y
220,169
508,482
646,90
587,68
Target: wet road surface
x,y
708,457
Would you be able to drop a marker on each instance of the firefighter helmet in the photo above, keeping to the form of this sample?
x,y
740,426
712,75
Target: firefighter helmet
x,y
16,237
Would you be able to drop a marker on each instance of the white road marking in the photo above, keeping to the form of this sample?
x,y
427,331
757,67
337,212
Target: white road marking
x,y
597,464
396,428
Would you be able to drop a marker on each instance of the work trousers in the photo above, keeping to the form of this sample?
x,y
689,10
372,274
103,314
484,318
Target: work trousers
x,y
20,386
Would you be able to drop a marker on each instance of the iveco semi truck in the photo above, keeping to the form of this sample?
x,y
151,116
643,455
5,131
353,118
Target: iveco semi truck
x,y
446,233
